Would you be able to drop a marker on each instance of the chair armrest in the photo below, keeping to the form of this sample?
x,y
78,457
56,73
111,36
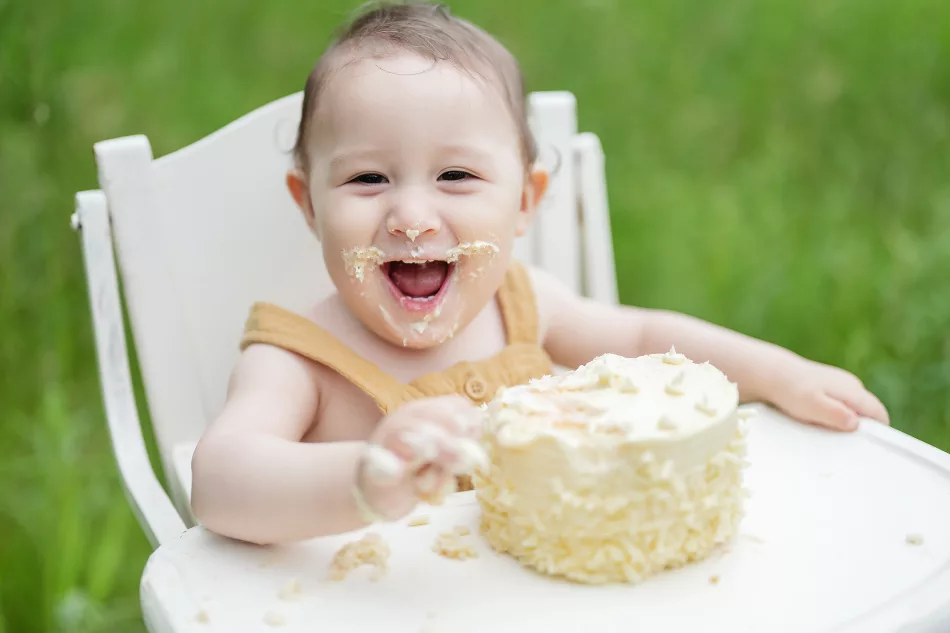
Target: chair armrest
x,y
150,503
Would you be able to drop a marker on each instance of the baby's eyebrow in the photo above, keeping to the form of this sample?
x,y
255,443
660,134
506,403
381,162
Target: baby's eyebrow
x,y
357,154
468,151
452,151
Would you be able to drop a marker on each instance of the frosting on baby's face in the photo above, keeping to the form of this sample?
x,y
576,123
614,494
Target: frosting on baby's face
x,y
418,190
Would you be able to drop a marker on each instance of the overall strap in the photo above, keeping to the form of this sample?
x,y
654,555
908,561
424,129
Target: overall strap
x,y
272,325
518,307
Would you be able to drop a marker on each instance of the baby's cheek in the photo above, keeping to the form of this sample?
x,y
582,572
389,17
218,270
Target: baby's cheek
x,y
490,218
347,223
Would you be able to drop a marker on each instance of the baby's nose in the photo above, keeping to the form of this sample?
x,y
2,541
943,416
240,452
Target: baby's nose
x,y
412,215
413,231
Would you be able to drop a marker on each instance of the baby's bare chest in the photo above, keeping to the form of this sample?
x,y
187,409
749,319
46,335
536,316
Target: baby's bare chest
x,y
349,412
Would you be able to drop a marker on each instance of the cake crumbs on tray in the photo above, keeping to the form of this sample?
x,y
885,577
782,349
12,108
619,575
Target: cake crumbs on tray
x,y
453,544
202,617
273,618
290,592
915,539
753,538
369,550
714,580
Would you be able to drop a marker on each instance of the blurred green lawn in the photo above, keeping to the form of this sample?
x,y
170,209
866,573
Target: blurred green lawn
x,y
777,167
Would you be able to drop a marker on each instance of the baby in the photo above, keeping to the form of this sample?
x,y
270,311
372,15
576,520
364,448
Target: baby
x,y
416,171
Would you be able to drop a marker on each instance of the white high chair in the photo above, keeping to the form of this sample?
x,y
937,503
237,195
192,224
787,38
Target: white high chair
x,y
203,232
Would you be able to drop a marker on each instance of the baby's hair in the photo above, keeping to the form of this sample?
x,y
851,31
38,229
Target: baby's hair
x,y
432,32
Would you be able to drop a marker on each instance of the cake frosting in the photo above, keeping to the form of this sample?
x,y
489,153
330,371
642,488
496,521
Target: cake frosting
x,y
614,471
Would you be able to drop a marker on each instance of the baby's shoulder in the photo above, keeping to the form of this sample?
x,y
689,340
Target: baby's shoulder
x,y
312,367
274,358
270,369
551,296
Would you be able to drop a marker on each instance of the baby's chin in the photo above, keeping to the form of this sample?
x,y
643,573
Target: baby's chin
x,y
379,314
419,334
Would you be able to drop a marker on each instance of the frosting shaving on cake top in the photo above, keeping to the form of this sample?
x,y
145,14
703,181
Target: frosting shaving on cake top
x,y
645,399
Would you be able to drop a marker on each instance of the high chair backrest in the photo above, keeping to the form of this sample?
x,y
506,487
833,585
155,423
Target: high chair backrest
x,y
202,233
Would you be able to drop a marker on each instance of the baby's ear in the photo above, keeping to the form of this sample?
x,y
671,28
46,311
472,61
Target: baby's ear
x,y
300,191
536,184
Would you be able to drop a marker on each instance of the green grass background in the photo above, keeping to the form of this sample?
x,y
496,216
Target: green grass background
x,y
779,167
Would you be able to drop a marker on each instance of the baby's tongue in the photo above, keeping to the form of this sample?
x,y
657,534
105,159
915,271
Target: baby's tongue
x,y
418,280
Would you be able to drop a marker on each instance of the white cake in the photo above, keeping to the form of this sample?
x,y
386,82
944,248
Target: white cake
x,y
614,471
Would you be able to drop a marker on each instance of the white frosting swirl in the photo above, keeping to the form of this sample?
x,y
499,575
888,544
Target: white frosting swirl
x,y
646,401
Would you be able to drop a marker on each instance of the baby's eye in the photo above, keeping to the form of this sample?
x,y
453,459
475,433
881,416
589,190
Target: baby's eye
x,y
455,174
370,179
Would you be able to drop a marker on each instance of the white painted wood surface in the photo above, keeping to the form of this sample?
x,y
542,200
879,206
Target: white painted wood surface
x,y
202,233
148,499
556,231
823,549
597,250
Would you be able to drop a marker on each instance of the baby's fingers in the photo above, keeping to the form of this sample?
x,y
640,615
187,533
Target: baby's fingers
x,y
431,482
823,410
865,404
381,465
431,444
820,409
428,444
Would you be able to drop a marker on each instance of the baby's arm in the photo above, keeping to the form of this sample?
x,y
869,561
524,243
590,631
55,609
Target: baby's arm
x,y
253,479
578,329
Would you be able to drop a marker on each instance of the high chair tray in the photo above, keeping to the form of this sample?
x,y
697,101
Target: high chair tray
x,y
845,533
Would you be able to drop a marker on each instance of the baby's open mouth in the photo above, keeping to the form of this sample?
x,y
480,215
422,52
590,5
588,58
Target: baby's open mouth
x,y
418,285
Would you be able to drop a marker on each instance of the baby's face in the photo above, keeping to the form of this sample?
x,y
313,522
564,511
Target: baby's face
x,y
418,190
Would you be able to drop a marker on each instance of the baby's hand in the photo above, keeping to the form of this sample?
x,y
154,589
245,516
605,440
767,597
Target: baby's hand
x,y
416,451
824,395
